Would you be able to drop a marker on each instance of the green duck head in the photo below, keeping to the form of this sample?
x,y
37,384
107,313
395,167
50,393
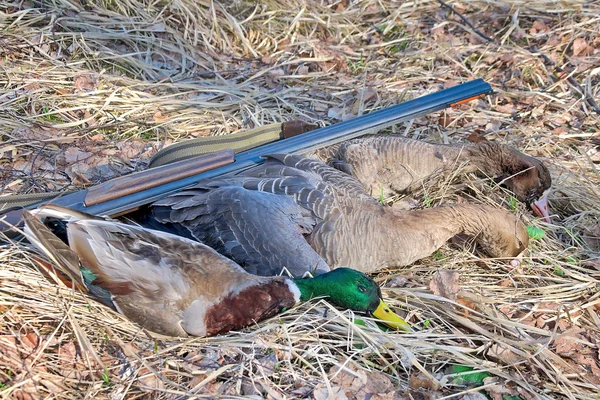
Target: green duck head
x,y
352,290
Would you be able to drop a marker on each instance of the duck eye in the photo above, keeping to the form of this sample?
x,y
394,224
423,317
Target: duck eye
x,y
362,289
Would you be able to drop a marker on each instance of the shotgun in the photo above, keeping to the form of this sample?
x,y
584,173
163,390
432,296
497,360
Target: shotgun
x,y
127,193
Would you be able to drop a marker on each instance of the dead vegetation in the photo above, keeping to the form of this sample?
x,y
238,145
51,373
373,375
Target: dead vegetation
x,y
90,90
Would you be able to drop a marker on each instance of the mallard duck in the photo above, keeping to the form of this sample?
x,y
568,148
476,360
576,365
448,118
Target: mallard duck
x,y
397,164
179,287
299,213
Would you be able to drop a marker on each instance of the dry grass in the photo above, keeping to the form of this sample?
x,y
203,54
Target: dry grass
x,y
90,90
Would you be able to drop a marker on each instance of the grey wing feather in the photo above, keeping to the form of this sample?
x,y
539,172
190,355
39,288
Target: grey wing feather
x,y
333,178
262,231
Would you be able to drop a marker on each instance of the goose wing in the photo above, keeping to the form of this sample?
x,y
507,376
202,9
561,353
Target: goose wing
x,y
253,220
322,176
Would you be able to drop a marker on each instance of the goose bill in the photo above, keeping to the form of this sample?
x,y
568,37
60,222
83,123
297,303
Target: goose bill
x,y
540,207
389,318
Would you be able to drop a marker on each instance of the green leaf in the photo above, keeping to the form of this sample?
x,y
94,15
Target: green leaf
x,y
558,271
472,379
535,233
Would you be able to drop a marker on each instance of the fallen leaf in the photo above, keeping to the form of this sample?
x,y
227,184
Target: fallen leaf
x,y
74,154
378,382
445,120
538,26
474,137
420,381
84,83
130,150
158,117
581,47
273,77
568,343
30,340
148,380
90,120
498,391
445,283
504,354
396,282
322,392
506,108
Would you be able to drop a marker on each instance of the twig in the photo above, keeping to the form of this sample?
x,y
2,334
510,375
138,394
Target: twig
x,y
466,21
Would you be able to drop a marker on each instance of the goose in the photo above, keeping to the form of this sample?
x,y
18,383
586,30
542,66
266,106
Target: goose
x,y
301,214
396,164
175,286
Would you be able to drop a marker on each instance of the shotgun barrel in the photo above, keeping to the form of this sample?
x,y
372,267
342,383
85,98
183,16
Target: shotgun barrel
x,y
321,137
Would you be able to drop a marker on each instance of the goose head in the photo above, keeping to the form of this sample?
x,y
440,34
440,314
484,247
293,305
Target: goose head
x,y
529,179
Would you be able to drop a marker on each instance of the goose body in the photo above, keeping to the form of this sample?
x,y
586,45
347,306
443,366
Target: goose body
x,y
397,164
301,214
180,287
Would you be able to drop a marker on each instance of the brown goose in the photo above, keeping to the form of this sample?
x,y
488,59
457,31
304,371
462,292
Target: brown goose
x,y
398,164
304,215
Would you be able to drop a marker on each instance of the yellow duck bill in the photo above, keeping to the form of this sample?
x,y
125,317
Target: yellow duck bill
x,y
389,318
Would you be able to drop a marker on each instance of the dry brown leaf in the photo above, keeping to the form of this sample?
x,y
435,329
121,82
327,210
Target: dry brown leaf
x,y
84,83
273,77
506,108
445,283
476,138
445,120
322,392
24,394
581,47
30,133
538,26
159,118
75,154
420,381
396,282
148,380
503,354
130,150
30,340
498,390
90,120
592,263
359,384
468,304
